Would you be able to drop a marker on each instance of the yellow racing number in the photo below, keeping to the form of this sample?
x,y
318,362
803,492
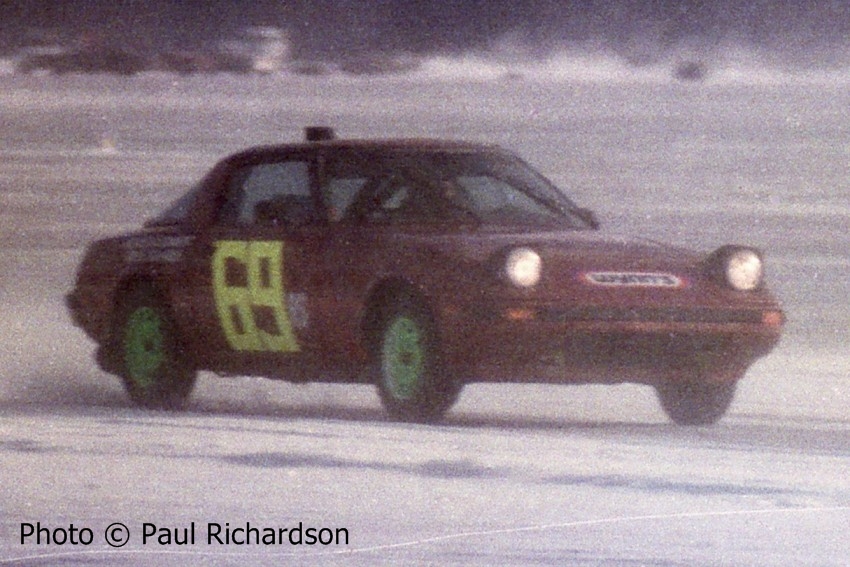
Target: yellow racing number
x,y
249,296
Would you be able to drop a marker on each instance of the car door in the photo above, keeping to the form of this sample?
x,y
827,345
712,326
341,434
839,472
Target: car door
x,y
380,220
251,266
347,266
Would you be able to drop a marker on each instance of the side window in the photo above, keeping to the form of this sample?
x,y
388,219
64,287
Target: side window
x,y
271,193
388,197
488,193
380,189
345,180
392,197
340,193
400,200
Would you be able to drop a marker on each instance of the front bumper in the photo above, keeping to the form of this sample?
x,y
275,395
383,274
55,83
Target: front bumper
x,y
610,344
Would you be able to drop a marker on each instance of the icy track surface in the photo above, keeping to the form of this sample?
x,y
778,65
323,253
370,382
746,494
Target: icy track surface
x,y
517,475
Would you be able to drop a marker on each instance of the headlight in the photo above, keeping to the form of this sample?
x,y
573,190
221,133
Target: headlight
x,y
523,267
743,269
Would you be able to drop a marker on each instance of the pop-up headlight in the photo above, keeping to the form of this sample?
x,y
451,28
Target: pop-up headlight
x,y
523,266
744,269
738,267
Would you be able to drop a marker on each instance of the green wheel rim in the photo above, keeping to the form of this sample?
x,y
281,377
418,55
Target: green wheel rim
x,y
403,358
144,346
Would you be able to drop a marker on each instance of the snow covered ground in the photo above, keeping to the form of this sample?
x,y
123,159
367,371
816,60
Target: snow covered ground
x,y
526,475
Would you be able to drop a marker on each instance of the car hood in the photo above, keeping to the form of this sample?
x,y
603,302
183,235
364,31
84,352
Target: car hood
x,y
585,250
599,267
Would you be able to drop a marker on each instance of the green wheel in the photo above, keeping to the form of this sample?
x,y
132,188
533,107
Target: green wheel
x,y
403,355
410,379
153,367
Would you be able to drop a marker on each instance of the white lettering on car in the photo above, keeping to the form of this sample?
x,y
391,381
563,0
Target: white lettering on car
x,y
633,279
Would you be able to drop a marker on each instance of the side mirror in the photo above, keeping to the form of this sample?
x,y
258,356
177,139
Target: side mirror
x,y
589,217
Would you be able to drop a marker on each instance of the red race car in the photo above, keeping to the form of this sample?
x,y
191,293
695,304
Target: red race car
x,y
418,266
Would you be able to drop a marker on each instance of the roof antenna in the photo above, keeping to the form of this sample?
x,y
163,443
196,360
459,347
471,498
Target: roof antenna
x,y
319,133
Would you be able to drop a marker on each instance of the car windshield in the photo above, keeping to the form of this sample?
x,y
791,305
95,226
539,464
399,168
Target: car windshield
x,y
494,188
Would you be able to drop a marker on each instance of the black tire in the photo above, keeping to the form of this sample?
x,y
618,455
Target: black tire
x,y
696,403
154,369
410,379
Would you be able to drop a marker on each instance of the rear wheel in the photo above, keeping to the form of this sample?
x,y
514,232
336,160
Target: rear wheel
x,y
694,402
153,367
410,379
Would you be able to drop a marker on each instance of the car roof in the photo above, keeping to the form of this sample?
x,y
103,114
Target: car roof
x,y
378,145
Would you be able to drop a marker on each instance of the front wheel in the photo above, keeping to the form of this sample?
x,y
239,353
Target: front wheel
x,y
153,368
410,379
696,403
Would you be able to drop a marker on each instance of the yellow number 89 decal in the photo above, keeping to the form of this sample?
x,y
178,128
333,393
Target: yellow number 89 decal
x,y
249,296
